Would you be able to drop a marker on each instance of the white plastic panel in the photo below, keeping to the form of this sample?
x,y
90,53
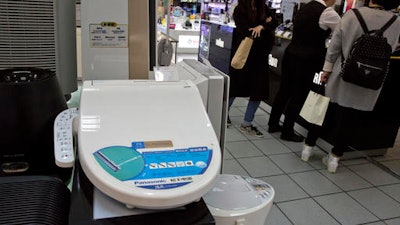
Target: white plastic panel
x,y
104,59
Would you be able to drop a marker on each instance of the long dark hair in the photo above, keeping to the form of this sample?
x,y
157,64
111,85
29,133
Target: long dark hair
x,y
255,9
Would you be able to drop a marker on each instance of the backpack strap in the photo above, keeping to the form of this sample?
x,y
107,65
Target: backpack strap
x,y
364,25
361,20
387,25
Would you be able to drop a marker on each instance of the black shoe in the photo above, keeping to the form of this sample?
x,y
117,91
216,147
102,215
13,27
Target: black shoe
x,y
292,137
273,129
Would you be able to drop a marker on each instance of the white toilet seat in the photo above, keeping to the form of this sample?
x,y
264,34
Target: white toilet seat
x,y
147,144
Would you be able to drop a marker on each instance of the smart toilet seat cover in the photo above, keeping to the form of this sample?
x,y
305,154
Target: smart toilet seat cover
x,y
147,144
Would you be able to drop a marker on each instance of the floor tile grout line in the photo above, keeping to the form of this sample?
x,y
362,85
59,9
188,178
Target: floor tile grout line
x,y
364,206
283,212
347,194
327,211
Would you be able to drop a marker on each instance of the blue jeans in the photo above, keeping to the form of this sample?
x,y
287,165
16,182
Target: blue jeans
x,y
251,109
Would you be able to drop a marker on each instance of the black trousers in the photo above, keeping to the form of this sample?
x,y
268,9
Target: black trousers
x,y
343,123
297,79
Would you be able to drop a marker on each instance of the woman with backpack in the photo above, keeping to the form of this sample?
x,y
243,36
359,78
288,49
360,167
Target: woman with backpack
x,y
353,102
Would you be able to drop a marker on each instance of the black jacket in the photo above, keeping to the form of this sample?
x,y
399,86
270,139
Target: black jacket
x,y
253,80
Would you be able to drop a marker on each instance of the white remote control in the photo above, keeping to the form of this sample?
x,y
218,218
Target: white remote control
x,y
63,138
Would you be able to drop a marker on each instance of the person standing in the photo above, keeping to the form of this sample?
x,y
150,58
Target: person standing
x,y
353,103
253,18
303,57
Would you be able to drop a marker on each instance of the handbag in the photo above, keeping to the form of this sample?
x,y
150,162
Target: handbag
x,y
314,108
241,54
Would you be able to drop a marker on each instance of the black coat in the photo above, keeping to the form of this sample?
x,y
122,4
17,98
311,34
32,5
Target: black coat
x,y
253,80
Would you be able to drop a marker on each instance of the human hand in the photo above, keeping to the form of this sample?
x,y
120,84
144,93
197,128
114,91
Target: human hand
x,y
269,19
325,76
256,31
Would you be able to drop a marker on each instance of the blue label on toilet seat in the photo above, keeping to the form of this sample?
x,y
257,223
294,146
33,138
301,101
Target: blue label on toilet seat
x,y
154,168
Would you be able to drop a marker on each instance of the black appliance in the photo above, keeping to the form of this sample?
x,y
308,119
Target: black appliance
x,y
34,200
30,98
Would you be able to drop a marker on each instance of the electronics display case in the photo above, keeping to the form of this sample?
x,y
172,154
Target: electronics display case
x,y
216,44
179,20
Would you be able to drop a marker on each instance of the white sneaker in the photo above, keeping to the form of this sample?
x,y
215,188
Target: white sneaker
x,y
331,162
306,153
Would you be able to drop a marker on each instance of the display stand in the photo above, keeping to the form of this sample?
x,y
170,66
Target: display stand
x,y
81,212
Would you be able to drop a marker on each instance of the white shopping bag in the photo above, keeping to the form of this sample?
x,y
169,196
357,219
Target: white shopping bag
x,y
314,108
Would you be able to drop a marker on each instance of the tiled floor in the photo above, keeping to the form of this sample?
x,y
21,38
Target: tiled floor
x,y
361,192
